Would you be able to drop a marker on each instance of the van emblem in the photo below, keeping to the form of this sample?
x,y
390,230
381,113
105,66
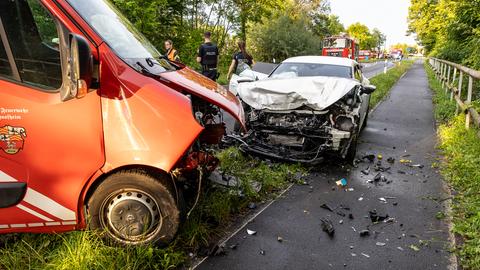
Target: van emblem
x,y
12,139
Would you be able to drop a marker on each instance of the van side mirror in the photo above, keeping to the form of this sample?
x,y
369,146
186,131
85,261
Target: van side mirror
x,y
368,89
79,68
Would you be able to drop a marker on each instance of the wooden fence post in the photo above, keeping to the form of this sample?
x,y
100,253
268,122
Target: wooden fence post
x,y
453,81
469,100
460,81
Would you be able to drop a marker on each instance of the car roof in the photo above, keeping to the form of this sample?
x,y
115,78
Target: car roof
x,y
329,60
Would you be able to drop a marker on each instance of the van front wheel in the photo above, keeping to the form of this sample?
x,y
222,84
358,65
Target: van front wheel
x,y
135,208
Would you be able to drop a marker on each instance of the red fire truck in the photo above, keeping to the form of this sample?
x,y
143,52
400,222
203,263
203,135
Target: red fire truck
x,y
340,46
96,126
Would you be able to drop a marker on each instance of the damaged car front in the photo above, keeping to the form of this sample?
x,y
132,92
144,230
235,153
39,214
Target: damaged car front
x,y
308,108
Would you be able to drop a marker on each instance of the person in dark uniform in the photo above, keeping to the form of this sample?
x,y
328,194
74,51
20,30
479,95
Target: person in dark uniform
x,y
208,57
241,60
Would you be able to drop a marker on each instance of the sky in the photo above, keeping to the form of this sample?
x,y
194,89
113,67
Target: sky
x,y
390,16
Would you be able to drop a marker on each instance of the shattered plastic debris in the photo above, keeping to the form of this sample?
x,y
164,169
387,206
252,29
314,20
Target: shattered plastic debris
x,y
360,199
405,161
350,189
327,226
327,207
366,171
250,232
417,166
218,250
401,172
380,178
414,248
380,244
233,247
353,254
279,239
252,205
369,157
342,182
375,217
400,248
379,156
262,252
350,216
364,233
366,255
340,213
391,160
383,200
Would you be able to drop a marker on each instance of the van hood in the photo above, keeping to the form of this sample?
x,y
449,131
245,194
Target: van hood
x,y
190,81
317,93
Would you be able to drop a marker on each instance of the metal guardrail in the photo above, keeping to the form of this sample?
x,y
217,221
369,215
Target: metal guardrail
x,y
451,75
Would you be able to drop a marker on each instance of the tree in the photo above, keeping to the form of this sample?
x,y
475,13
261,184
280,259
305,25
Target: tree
x,y
363,36
283,37
378,39
253,11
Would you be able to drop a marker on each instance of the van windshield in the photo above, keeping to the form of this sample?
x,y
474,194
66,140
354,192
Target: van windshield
x,y
120,35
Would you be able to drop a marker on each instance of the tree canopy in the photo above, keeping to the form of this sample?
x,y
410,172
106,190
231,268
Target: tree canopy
x,y
448,29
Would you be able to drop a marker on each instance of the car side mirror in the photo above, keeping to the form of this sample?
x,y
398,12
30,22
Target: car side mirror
x,y
79,68
368,89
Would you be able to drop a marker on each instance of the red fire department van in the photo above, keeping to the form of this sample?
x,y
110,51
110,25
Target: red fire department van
x,y
96,127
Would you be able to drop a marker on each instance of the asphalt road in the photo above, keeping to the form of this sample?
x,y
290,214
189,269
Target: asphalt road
x,y
401,127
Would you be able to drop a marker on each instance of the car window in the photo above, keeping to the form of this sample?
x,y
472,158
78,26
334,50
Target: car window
x,y
33,38
292,70
5,68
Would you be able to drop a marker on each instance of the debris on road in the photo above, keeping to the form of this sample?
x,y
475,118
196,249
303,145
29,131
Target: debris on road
x,y
350,216
250,232
414,248
404,161
366,171
375,217
400,248
326,207
391,160
327,226
369,157
262,252
366,255
383,200
379,156
279,239
380,244
233,247
342,182
417,166
360,199
364,233
218,250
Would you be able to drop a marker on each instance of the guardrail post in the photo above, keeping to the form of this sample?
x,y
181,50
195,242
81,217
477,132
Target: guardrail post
x,y
469,100
453,81
447,80
460,81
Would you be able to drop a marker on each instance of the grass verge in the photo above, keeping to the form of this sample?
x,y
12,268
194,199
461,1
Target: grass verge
x,y
461,168
384,82
216,210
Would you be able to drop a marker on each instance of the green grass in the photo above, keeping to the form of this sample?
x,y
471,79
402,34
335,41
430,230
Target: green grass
x,y
461,168
384,82
216,210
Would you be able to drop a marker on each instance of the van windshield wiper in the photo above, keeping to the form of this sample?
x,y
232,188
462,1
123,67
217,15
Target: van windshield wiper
x,y
147,72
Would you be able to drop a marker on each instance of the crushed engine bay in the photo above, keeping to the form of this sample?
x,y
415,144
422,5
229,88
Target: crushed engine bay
x,y
304,134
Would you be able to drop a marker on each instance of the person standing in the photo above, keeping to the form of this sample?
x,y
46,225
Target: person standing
x,y
208,57
241,60
171,54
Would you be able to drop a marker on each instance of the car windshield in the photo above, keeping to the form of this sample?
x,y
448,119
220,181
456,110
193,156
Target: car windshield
x,y
336,43
294,70
120,35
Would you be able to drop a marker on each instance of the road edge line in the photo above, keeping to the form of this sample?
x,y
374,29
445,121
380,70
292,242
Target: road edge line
x,y
244,224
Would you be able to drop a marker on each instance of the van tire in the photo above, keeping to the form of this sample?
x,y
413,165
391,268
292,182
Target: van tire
x,y
128,202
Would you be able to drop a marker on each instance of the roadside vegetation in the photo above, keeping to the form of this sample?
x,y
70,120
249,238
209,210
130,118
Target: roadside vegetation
x,y
461,168
384,82
215,212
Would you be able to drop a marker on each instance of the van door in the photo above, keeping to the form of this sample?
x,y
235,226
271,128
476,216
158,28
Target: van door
x,y
48,148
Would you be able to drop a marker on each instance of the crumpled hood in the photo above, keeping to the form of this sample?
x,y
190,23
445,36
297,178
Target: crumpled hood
x,y
317,93
192,82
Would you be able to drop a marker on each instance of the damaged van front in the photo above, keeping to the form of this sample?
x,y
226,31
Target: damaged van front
x,y
304,118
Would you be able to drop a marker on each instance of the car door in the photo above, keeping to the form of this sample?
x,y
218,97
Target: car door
x,y
48,148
